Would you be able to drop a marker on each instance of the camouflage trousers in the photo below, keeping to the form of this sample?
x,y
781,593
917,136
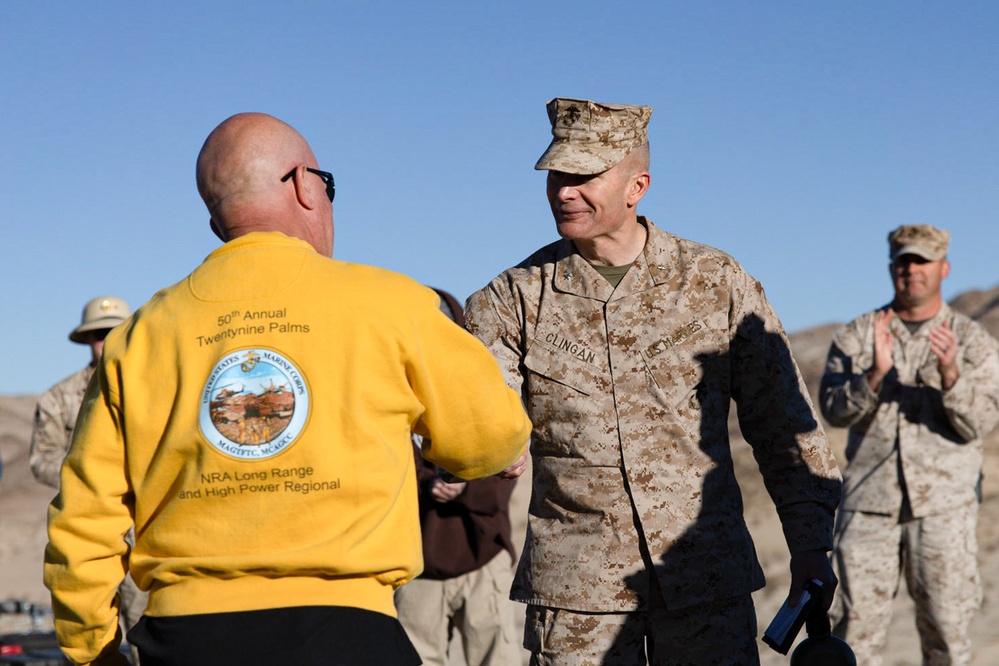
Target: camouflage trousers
x,y
721,633
938,557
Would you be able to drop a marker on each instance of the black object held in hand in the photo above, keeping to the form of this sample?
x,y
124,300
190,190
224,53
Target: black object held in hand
x,y
821,648
784,628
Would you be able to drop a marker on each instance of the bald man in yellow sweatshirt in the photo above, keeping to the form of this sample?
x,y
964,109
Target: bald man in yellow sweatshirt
x,y
253,423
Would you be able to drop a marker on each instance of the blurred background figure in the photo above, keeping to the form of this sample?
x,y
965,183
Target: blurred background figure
x,y
918,386
55,420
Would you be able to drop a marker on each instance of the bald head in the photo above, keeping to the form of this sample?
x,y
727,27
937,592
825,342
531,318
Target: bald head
x,y
239,175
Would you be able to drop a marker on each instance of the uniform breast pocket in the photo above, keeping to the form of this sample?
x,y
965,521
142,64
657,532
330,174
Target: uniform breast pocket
x,y
692,380
694,364
560,396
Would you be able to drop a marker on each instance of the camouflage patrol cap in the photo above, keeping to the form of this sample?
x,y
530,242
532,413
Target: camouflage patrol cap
x,y
590,137
99,314
921,240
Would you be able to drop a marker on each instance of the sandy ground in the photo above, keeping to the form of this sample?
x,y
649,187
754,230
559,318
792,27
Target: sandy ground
x,y
23,504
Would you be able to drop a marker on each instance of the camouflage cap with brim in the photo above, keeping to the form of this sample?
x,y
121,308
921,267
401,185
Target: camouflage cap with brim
x,y
921,240
590,137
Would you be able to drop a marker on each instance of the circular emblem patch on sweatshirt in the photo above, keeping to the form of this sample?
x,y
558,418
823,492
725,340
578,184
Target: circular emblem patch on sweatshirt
x,y
255,404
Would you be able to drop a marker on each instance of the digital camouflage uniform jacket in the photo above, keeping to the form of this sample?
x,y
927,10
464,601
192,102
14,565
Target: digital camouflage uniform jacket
x,y
629,391
55,420
939,433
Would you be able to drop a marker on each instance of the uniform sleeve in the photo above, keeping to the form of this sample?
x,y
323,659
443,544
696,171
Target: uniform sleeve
x,y
845,397
86,557
780,423
49,439
491,316
474,425
972,403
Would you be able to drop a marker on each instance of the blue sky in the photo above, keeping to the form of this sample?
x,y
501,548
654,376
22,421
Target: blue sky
x,y
793,135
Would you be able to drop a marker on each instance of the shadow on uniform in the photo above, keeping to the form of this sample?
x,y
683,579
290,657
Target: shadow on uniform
x,y
714,558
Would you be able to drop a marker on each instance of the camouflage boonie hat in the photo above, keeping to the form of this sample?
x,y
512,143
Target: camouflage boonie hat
x,y
102,313
589,137
921,240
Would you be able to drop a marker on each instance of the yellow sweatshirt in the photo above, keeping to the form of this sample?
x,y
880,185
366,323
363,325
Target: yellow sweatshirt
x,y
254,421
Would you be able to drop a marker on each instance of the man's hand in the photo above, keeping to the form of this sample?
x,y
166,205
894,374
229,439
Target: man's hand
x,y
516,469
884,342
442,491
943,344
809,564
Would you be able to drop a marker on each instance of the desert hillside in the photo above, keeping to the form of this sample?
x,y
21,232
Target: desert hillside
x,y
23,503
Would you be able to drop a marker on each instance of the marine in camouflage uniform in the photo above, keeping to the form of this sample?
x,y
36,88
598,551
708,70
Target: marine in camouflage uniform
x,y
912,483
55,414
55,421
637,548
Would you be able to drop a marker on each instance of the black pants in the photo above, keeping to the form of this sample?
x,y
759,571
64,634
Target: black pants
x,y
304,636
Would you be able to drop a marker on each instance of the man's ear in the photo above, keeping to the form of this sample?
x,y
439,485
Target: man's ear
x,y
639,186
304,191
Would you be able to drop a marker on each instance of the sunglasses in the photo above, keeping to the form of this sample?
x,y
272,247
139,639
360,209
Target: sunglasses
x,y
325,175
96,335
